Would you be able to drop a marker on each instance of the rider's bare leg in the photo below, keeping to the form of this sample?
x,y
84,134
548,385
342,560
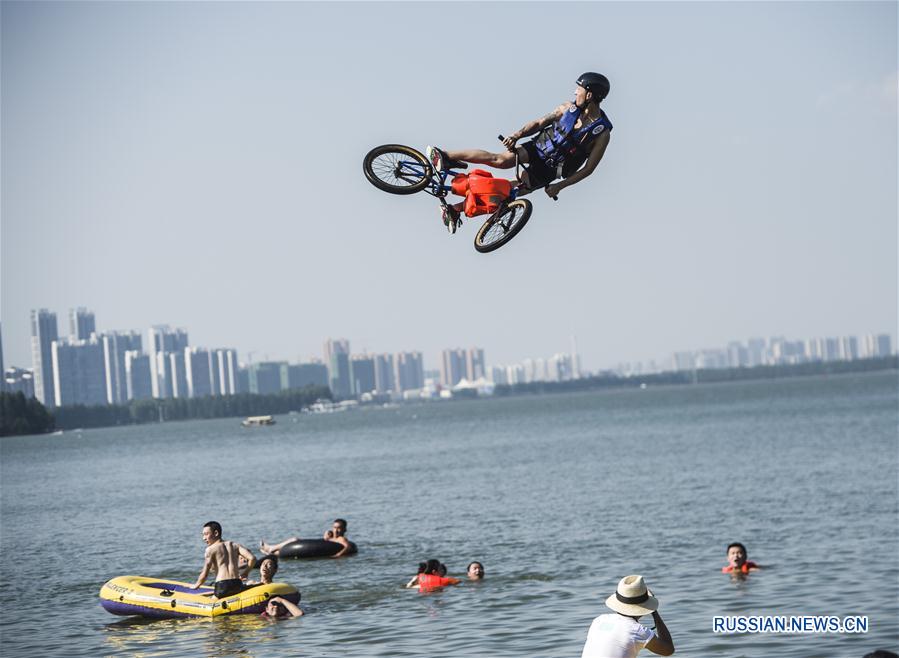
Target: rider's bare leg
x,y
476,156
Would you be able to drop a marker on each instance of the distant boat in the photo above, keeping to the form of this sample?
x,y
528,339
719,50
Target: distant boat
x,y
257,421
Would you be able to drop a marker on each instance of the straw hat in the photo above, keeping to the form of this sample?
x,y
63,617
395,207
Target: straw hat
x,y
632,598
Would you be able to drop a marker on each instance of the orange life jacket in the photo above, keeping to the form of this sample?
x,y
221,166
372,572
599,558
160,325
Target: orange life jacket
x,y
483,193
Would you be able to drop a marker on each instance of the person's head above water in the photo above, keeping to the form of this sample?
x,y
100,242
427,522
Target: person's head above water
x,y
736,554
475,570
268,567
432,567
275,609
212,531
632,598
338,528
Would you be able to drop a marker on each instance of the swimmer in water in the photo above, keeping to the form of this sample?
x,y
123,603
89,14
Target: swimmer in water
x,y
475,571
268,567
336,534
431,575
280,608
737,562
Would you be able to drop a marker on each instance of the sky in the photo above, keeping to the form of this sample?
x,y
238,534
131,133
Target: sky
x,y
200,165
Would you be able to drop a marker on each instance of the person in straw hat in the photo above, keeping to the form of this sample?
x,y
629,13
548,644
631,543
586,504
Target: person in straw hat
x,y
621,635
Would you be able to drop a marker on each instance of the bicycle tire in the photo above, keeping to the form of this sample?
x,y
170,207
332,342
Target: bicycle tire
x,y
493,233
381,169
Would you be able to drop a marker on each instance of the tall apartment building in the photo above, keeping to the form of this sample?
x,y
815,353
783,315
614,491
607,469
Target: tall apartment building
x,y
81,323
163,341
301,375
43,333
452,367
474,363
337,358
879,345
198,372
409,373
224,371
362,369
385,382
115,345
79,372
265,377
138,376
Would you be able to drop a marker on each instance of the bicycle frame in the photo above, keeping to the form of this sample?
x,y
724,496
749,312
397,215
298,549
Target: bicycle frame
x,y
438,187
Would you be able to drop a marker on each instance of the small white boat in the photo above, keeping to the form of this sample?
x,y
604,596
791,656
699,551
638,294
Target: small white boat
x,y
257,421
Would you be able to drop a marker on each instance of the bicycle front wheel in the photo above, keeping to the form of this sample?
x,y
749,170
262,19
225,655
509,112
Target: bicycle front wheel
x,y
397,169
503,225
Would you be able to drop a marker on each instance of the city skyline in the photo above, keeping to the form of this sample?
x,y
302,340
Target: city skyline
x,y
722,207
91,366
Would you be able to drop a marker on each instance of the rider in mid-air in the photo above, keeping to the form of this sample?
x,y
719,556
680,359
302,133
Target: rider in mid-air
x,y
570,136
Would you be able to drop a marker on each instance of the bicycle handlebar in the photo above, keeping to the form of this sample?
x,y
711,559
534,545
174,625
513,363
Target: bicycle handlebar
x,y
503,139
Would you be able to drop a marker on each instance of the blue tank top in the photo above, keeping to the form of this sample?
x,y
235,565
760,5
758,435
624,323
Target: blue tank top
x,y
563,148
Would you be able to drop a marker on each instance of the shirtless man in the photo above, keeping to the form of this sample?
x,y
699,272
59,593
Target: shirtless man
x,y
222,557
336,534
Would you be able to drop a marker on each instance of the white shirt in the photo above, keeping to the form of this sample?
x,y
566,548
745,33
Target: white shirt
x,y
616,636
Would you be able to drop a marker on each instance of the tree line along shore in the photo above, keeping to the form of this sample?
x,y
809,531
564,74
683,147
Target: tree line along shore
x,y
20,415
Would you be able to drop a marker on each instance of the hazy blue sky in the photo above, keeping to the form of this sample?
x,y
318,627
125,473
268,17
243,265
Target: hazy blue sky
x,y
201,165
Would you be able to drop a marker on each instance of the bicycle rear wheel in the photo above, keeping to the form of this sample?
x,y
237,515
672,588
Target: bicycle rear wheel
x,y
503,225
397,169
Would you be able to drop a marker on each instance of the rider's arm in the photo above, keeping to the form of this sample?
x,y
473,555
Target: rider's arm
x,y
596,153
535,126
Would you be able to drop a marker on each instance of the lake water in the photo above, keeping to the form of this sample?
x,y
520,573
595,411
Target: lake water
x,y
558,495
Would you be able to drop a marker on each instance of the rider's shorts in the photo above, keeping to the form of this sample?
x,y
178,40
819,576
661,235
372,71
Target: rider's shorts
x,y
539,174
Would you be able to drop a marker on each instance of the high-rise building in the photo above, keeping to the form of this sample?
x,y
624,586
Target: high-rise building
x,y
177,374
337,358
164,341
242,380
385,382
301,375
265,377
848,348
362,369
224,371
79,372
452,367
409,374
737,355
198,372
115,345
43,333
879,345
756,352
138,376
81,323
474,363
19,380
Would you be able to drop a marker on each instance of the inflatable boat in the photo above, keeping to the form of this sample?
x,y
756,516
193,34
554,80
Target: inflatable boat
x,y
303,548
166,599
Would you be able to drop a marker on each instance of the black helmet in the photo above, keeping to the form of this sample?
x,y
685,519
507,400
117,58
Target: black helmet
x,y
596,83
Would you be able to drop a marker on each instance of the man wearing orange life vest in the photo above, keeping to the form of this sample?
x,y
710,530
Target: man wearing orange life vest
x,y
570,141
736,560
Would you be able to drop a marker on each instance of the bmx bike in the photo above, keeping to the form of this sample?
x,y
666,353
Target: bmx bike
x,y
399,169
